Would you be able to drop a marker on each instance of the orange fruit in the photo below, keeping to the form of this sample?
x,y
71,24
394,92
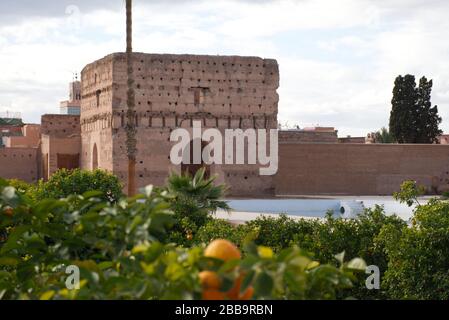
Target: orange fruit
x,y
213,294
211,284
223,250
210,280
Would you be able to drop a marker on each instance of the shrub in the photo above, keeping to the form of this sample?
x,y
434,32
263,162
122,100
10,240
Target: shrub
x,y
418,255
358,238
64,183
355,237
116,248
409,193
281,232
221,229
276,233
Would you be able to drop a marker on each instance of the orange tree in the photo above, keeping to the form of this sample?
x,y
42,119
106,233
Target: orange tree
x,y
64,183
418,254
117,249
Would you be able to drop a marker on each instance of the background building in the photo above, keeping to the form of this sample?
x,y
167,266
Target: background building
x,y
73,105
10,125
223,92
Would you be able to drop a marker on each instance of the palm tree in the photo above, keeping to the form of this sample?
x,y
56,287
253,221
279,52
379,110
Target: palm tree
x,y
130,126
196,193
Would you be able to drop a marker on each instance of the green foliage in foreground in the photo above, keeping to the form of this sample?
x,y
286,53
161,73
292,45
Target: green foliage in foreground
x,y
356,237
151,247
118,250
413,259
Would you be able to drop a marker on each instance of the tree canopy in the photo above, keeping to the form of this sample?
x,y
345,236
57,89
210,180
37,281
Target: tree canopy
x,y
412,117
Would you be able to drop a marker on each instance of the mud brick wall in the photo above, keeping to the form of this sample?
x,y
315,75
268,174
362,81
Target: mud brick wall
x,y
19,163
172,91
360,169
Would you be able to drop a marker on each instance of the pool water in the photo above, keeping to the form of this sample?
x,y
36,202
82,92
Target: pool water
x,y
347,207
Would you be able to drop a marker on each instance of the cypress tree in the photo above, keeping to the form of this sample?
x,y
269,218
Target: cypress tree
x,y
412,117
402,116
429,120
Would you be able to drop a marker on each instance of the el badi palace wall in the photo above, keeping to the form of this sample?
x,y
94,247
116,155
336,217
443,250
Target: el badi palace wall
x,y
173,91
223,92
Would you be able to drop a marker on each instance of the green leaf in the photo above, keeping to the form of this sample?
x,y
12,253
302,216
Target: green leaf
x,y
8,261
154,252
140,248
13,238
136,221
251,248
226,284
247,281
229,265
47,295
174,271
300,261
92,194
263,284
105,265
160,222
3,183
249,262
313,265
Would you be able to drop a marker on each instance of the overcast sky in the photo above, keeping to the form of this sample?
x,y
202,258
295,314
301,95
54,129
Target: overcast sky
x,y
338,59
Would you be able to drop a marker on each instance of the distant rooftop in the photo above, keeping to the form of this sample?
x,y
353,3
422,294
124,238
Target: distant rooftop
x,y
311,129
11,122
8,118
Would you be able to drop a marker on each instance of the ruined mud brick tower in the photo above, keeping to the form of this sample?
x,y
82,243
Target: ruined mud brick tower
x,y
223,92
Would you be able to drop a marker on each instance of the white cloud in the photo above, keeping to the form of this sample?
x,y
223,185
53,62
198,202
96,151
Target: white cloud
x,y
338,59
277,16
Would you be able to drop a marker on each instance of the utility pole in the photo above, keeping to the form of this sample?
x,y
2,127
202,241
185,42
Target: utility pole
x,y
131,142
